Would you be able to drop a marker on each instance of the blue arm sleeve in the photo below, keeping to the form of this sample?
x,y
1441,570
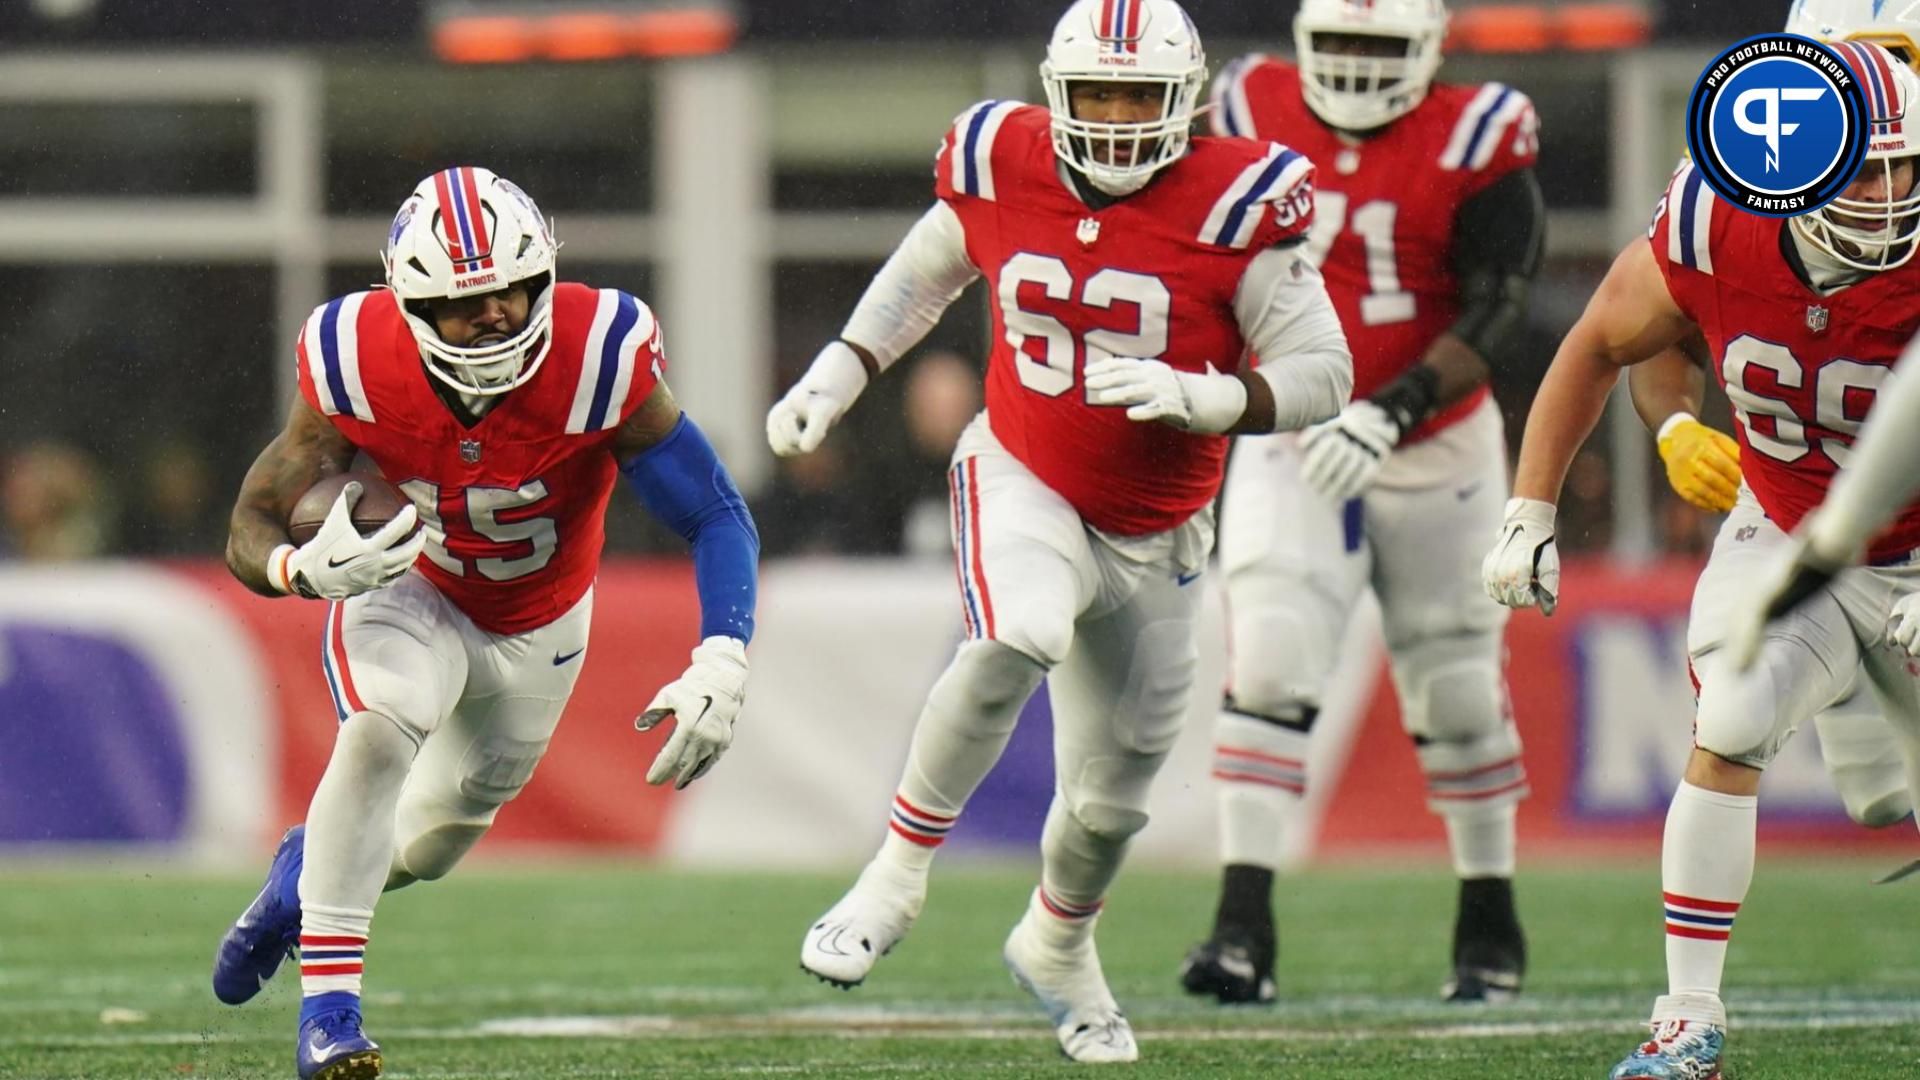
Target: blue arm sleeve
x,y
682,483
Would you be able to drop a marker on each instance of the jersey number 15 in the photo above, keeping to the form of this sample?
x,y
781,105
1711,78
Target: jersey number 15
x,y
491,513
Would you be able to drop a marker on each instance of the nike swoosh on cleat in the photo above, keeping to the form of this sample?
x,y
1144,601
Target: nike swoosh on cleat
x,y
559,659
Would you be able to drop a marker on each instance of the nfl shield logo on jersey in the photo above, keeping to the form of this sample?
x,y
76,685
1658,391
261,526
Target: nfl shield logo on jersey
x,y
470,451
1816,318
1088,232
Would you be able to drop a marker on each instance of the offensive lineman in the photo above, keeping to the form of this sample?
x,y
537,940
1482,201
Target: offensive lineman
x,y
1133,273
1429,230
503,402
1803,331
1861,753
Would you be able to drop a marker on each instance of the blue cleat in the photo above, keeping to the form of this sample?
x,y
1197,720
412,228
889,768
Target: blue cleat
x,y
1678,1050
332,1046
268,931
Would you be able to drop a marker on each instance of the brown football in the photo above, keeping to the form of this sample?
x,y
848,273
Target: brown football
x,y
379,501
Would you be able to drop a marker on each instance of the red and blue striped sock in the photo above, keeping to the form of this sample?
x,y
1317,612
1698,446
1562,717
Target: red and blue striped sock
x,y
1706,866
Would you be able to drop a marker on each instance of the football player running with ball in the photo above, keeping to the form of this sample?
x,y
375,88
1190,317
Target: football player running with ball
x,y
1134,273
1429,229
1805,319
504,403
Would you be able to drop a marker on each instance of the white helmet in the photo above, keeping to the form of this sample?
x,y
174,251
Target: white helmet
x,y
1360,93
1891,89
1145,41
465,231
1892,23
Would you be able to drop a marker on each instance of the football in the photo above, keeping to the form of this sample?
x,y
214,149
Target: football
x,y
379,501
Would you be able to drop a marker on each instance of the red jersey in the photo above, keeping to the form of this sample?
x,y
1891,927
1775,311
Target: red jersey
x,y
1799,368
514,506
1152,275
1383,237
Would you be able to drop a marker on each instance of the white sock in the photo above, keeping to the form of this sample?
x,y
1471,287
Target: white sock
x,y
1481,839
349,849
1061,924
1706,866
333,949
1260,775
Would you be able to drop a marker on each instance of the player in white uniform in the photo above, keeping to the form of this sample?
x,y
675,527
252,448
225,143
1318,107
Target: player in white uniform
x,y
1082,495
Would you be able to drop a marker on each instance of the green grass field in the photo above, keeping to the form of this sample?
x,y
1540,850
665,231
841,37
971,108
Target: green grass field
x,y
564,972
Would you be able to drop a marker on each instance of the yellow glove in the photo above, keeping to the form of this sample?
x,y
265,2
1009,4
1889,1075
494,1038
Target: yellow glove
x,y
1703,465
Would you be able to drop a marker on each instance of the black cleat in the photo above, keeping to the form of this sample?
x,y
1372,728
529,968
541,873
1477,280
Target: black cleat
x,y
1235,966
1489,949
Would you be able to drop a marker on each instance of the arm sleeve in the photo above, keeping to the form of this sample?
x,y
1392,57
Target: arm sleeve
x,y
924,275
1289,322
682,482
1879,479
1500,235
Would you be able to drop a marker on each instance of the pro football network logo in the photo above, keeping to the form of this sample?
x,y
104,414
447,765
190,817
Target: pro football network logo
x,y
1778,125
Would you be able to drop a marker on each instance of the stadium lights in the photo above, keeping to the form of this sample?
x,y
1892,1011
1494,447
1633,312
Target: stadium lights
x,y
487,33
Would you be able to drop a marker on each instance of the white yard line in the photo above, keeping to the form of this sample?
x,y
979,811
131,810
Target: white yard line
x,y
931,1022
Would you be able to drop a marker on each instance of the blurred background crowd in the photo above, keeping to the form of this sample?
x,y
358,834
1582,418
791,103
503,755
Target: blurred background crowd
x,y
146,354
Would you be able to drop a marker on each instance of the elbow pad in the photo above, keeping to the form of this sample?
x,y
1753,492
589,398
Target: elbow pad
x,y
1493,315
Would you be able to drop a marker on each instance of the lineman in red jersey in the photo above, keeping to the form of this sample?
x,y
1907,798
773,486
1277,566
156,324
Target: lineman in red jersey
x,y
1132,273
1805,320
1862,753
1429,229
503,402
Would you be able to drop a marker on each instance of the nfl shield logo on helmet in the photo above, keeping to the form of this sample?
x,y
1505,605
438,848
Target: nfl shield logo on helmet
x,y
1816,318
470,451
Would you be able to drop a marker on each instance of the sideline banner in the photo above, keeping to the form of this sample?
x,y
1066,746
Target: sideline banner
x,y
163,706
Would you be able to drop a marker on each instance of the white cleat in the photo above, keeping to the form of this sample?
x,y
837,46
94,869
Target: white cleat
x,y
1073,990
844,944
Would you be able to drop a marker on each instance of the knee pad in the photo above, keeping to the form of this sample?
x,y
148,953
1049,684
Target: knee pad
x,y
1280,665
1451,688
1465,777
1040,626
437,849
996,677
1107,796
496,767
1739,717
1109,824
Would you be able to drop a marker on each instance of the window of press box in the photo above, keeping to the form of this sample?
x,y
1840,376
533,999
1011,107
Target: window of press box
x,y
576,138
100,149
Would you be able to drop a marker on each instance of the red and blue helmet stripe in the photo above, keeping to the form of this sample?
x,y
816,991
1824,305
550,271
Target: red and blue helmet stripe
x,y
1121,24
465,224
1870,64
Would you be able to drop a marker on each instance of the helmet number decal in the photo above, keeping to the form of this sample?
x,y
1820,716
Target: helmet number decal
x,y
1386,302
1053,372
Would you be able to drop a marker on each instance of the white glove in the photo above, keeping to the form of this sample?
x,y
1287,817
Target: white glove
x,y
1523,569
1903,624
799,422
1343,455
703,701
1150,389
338,562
